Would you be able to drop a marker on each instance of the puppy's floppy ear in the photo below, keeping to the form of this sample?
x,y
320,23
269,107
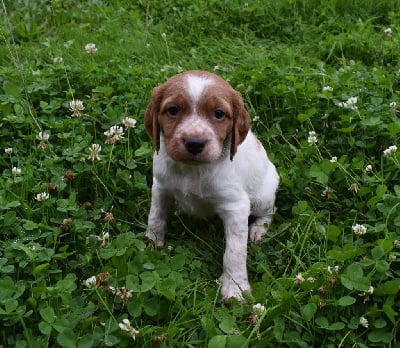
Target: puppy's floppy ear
x,y
241,123
151,123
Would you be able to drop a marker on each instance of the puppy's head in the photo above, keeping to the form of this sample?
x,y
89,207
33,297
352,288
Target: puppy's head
x,y
199,114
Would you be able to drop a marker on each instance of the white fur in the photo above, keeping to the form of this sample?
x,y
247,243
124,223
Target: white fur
x,y
196,86
231,189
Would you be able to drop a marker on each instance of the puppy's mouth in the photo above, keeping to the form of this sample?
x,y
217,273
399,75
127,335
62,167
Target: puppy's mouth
x,y
196,161
191,159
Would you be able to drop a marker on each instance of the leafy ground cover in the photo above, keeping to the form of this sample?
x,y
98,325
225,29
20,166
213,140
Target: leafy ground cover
x,y
321,81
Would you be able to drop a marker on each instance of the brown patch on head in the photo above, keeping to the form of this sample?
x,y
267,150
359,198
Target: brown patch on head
x,y
164,93
241,123
151,117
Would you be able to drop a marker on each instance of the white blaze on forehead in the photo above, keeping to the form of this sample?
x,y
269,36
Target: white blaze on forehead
x,y
196,85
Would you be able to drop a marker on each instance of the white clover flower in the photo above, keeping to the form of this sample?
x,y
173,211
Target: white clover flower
x,y
117,130
164,35
327,89
58,59
76,106
43,196
129,122
114,130
311,279
42,136
333,159
91,282
364,322
396,243
299,278
349,104
354,188
327,192
352,100
16,171
390,150
367,293
128,294
312,138
388,32
370,290
258,309
94,152
104,238
125,325
359,230
95,148
393,106
8,151
333,270
124,294
368,168
114,134
90,48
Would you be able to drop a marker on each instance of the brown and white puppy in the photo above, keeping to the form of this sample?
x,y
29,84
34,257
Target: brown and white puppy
x,y
209,162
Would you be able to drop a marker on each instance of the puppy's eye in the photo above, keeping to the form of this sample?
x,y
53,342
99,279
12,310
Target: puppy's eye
x,y
219,114
173,111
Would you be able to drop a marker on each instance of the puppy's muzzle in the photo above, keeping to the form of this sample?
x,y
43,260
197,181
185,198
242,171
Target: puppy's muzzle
x,y
194,145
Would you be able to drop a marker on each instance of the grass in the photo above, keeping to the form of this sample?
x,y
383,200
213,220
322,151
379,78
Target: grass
x,y
72,261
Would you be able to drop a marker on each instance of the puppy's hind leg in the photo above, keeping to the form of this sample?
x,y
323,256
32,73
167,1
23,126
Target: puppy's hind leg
x,y
258,228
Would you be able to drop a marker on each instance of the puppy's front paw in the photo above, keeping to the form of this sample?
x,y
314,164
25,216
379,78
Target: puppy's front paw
x,y
231,288
257,232
154,238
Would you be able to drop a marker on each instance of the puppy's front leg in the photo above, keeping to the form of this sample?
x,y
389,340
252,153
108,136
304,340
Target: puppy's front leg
x,y
157,220
234,277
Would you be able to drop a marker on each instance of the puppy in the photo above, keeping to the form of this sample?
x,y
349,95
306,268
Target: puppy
x,y
209,162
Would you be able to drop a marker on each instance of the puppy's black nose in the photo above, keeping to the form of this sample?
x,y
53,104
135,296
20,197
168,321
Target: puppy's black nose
x,y
194,145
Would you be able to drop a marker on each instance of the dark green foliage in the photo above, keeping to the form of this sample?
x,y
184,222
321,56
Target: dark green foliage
x,y
74,266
